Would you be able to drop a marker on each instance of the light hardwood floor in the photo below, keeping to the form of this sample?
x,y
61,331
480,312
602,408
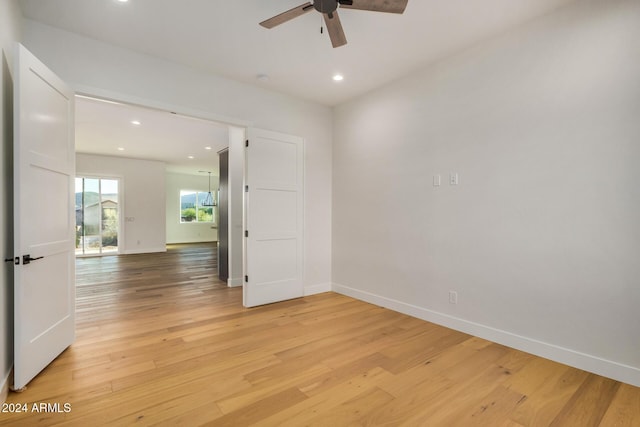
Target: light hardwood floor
x,y
161,341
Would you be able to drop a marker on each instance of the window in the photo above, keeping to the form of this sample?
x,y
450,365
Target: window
x,y
191,209
96,216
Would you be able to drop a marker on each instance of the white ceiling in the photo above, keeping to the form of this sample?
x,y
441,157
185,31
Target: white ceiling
x,y
223,37
104,127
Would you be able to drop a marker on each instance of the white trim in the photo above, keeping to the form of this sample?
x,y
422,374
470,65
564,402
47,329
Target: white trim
x,y
145,251
234,282
607,368
189,241
318,288
4,389
192,240
236,193
148,103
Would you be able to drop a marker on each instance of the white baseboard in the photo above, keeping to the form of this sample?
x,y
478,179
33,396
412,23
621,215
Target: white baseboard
x,y
145,251
234,282
317,289
587,362
196,240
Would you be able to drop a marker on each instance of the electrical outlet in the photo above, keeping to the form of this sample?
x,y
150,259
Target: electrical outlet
x,y
453,178
453,297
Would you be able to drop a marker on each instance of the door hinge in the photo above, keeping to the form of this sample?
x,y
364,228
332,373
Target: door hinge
x,y
246,188
246,279
246,143
246,233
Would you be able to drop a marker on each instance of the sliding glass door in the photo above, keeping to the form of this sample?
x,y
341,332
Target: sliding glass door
x,y
97,216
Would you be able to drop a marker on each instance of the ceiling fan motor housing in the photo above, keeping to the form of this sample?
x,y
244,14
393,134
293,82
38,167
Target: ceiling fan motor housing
x,y
325,6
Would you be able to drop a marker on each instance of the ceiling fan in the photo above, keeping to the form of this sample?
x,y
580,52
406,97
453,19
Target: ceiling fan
x,y
328,9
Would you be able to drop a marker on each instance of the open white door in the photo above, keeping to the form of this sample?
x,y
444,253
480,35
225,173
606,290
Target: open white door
x,y
44,169
273,218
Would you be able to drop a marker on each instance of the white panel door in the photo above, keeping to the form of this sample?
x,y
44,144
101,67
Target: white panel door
x,y
273,218
44,169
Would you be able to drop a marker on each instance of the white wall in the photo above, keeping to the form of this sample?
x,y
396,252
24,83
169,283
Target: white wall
x,y
190,232
143,193
106,70
541,238
10,32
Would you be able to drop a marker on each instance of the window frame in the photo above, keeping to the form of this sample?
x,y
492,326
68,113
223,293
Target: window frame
x,y
197,207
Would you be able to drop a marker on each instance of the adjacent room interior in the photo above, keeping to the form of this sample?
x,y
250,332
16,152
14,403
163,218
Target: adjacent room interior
x,y
178,157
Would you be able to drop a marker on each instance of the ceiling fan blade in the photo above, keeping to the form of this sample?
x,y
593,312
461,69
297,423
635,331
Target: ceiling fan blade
x,y
389,6
288,15
334,27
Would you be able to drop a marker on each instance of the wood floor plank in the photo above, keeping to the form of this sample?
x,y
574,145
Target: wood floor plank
x,y
481,373
256,411
624,410
412,381
351,412
548,386
410,403
269,387
319,404
589,403
161,341
324,383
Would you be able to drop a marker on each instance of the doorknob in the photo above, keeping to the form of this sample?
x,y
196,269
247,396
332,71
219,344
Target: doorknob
x,y
26,259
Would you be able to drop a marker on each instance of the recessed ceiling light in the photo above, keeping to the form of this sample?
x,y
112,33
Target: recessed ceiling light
x,y
190,157
120,148
262,77
122,1
207,148
136,122
338,77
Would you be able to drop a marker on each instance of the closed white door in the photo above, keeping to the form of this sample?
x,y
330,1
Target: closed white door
x,y
44,169
273,218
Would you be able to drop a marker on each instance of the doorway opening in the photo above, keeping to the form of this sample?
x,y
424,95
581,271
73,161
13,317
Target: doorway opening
x,y
97,215
118,138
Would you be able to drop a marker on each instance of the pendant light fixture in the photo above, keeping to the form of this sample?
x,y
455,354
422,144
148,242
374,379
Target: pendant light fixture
x,y
209,200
